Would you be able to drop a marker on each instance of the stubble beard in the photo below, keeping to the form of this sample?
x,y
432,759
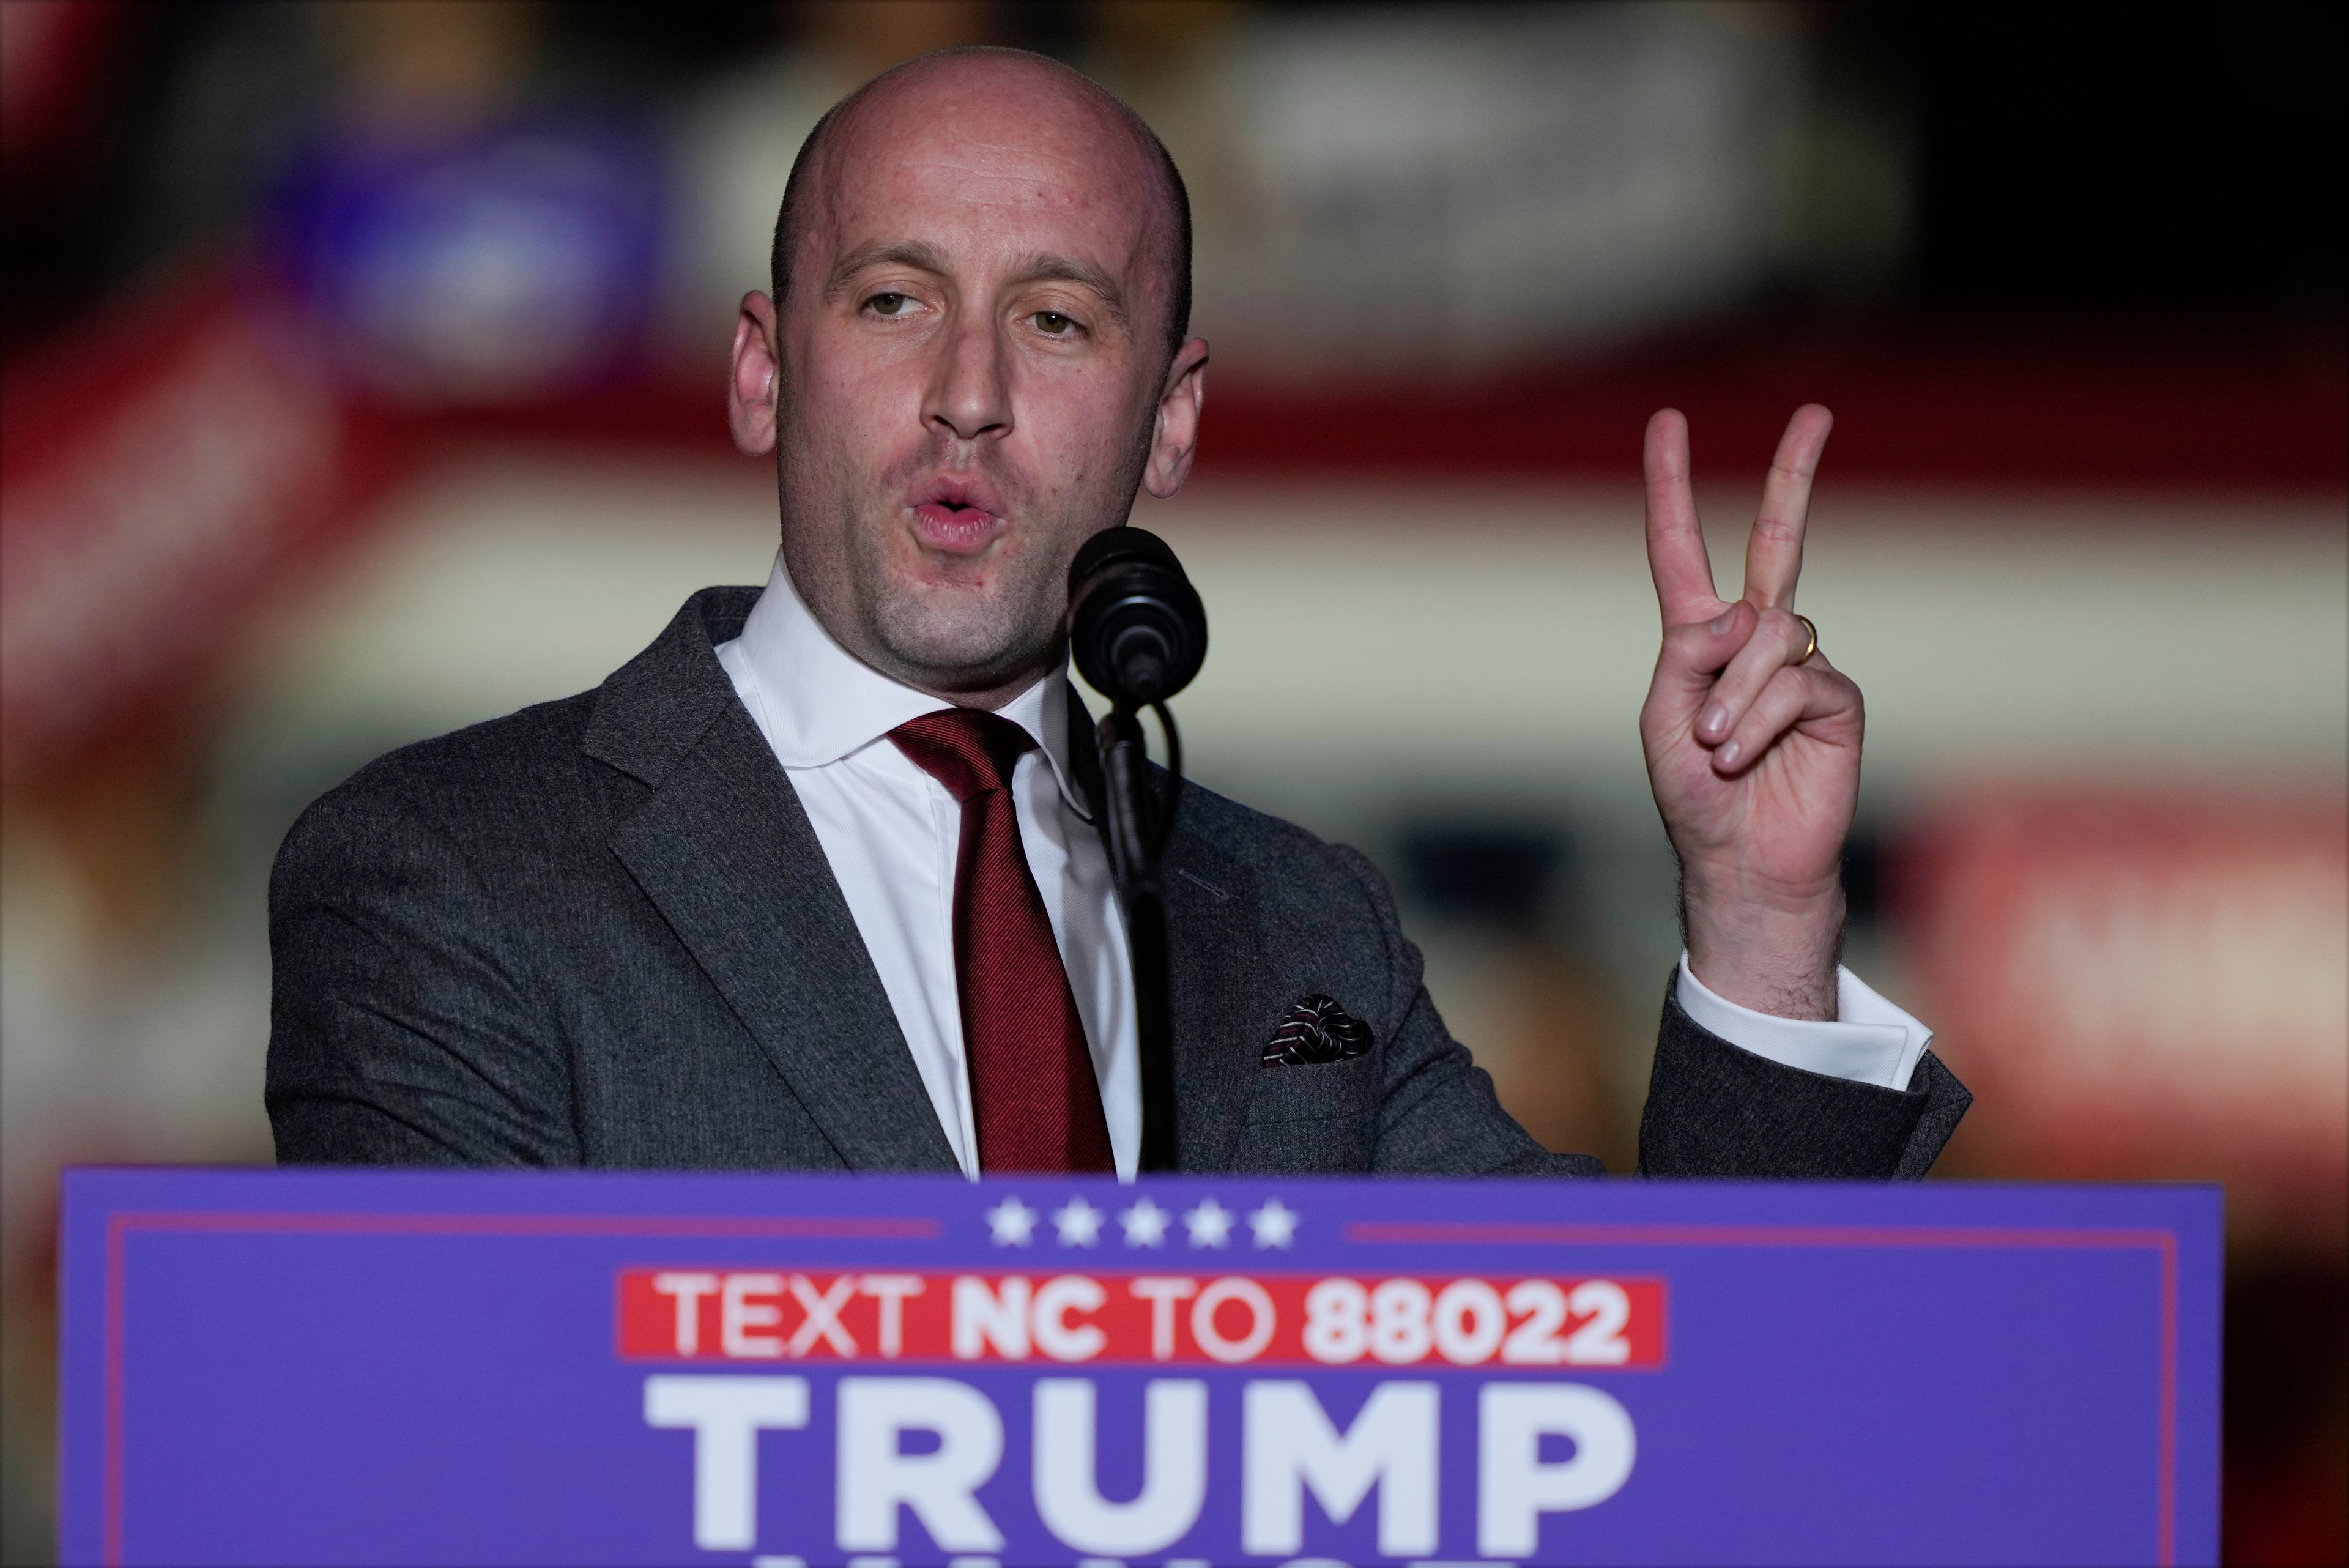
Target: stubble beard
x,y
949,635
974,626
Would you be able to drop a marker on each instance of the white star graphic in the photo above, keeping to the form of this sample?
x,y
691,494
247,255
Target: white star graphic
x,y
1145,1224
1011,1222
1210,1223
1080,1222
1274,1223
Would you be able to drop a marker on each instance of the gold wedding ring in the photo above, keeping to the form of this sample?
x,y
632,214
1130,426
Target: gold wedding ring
x,y
1814,630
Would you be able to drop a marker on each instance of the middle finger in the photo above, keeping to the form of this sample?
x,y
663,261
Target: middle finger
x,y
1773,551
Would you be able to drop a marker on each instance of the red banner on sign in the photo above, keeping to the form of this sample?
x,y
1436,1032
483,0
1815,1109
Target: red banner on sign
x,y
752,1314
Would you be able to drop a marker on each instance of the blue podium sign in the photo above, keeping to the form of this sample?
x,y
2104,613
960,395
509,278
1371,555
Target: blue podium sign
x,y
420,1367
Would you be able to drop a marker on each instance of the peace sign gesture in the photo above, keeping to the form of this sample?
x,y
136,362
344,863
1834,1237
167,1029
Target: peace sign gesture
x,y
1751,737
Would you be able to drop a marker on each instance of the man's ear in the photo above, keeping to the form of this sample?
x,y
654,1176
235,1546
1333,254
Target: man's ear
x,y
750,395
1176,436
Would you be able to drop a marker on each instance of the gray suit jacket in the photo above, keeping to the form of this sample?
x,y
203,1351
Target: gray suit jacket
x,y
601,932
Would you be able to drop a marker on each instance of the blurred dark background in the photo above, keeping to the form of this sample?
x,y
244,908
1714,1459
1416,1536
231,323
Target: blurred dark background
x,y
2057,159
361,374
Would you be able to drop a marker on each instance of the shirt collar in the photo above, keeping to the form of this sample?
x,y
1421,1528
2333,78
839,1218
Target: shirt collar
x,y
821,703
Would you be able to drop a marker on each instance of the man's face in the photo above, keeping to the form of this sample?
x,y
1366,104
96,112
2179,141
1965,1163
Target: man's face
x,y
973,370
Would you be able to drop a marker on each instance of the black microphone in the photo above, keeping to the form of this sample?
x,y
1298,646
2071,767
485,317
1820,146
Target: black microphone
x,y
1136,628
1138,632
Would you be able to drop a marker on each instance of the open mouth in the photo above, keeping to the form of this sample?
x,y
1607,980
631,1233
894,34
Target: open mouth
x,y
959,516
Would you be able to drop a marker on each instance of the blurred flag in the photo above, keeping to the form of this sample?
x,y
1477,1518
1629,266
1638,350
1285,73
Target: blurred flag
x,y
159,471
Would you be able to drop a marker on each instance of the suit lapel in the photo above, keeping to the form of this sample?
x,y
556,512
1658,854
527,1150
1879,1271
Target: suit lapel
x,y
725,851
1214,970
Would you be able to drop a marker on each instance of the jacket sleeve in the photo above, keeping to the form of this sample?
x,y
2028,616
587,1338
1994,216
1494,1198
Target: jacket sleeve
x,y
1712,1109
1716,1110
405,1027
1437,1114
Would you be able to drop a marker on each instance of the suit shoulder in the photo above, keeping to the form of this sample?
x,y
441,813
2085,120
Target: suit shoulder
x,y
1243,830
1288,860
496,776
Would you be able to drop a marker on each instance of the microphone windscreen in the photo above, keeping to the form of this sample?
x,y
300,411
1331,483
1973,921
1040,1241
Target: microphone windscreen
x,y
1136,628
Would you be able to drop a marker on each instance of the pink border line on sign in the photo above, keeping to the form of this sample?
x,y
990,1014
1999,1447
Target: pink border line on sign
x,y
891,1228
1469,1232
118,1226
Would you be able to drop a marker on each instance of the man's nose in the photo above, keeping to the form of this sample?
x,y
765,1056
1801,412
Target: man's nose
x,y
970,394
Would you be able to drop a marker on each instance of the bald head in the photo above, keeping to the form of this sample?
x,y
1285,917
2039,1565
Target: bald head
x,y
975,358
1128,158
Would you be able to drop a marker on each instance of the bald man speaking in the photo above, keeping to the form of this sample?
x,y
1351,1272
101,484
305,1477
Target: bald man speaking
x,y
815,882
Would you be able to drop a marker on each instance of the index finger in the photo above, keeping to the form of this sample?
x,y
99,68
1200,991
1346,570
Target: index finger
x,y
1773,551
1676,557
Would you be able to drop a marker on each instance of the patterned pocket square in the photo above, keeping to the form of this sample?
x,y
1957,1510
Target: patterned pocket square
x,y
1317,1030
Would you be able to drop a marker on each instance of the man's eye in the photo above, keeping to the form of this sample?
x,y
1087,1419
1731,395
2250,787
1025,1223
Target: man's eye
x,y
888,304
1054,323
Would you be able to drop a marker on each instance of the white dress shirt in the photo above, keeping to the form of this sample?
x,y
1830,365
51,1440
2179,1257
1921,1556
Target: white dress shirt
x,y
891,833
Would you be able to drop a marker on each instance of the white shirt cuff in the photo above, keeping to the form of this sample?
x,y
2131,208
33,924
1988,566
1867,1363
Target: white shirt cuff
x,y
1872,1042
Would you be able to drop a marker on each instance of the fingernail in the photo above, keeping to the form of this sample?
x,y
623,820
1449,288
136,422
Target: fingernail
x,y
1723,621
1716,718
1727,755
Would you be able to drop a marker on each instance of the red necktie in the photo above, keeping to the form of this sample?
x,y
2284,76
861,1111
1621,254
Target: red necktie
x,y
1032,1090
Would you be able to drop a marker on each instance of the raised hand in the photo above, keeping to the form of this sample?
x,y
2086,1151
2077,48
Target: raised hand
x,y
1753,749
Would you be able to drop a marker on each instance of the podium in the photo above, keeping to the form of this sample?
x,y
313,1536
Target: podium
x,y
469,1367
